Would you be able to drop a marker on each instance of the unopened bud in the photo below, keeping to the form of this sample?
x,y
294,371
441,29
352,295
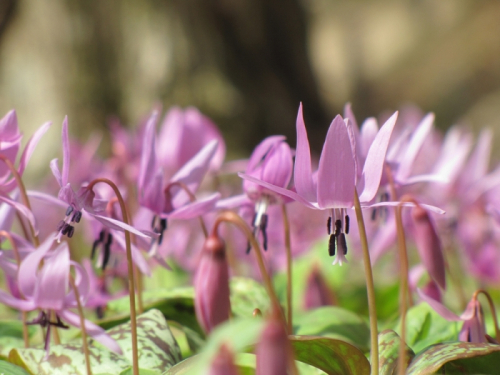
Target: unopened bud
x,y
256,312
429,245
317,292
211,285
473,329
273,351
223,363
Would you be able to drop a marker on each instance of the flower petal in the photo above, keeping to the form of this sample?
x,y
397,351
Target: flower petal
x,y
53,280
194,209
21,208
336,172
148,159
375,160
93,330
28,269
439,307
302,170
66,154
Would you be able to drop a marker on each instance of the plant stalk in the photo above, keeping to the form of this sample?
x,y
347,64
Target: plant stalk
x,y
370,287
288,248
131,282
82,326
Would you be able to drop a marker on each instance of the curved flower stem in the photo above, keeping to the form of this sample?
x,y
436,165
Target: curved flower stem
x,y
288,248
403,288
492,308
131,283
138,275
24,195
24,315
82,326
231,217
370,288
192,198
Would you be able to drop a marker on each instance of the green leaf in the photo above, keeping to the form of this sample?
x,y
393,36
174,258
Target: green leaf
x,y
330,355
247,295
130,371
157,347
334,322
11,369
425,327
457,358
11,336
67,359
389,343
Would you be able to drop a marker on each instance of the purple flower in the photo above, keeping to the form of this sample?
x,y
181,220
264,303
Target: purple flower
x,y
80,202
473,328
332,186
47,288
170,200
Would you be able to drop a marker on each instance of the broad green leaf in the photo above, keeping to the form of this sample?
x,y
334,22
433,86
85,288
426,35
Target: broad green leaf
x,y
457,358
425,327
247,295
130,371
157,347
11,336
330,355
389,343
7,368
334,322
178,304
67,359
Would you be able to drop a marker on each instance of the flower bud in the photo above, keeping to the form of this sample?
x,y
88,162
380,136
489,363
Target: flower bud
x,y
429,245
223,363
273,351
473,329
317,292
211,285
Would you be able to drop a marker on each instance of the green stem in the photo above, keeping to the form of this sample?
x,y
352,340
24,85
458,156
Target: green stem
x,y
288,248
131,282
82,326
370,288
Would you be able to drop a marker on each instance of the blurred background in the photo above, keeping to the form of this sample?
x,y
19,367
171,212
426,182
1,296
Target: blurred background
x,y
246,63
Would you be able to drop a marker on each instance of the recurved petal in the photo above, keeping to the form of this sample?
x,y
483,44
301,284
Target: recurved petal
x,y
148,158
439,307
336,172
302,170
93,330
53,280
375,160
66,152
194,209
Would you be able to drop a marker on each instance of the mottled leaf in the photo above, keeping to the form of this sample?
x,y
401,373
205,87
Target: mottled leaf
x,y
389,343
330,355
334,322
457,358
7,368
157,347
130,371
11,336
67,359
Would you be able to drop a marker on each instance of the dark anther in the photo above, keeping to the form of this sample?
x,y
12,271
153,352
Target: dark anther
x,y
342,243
249,247
153,222
97,242
77,216
254,219
338,227
58,323
331,245
374,214
163,227
69,210
385,197
329,225
40,319
99,312
107,254
65,229
346,224
71,231
263,229
60,225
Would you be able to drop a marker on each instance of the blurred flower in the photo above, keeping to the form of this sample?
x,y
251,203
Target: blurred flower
x,y
211,285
